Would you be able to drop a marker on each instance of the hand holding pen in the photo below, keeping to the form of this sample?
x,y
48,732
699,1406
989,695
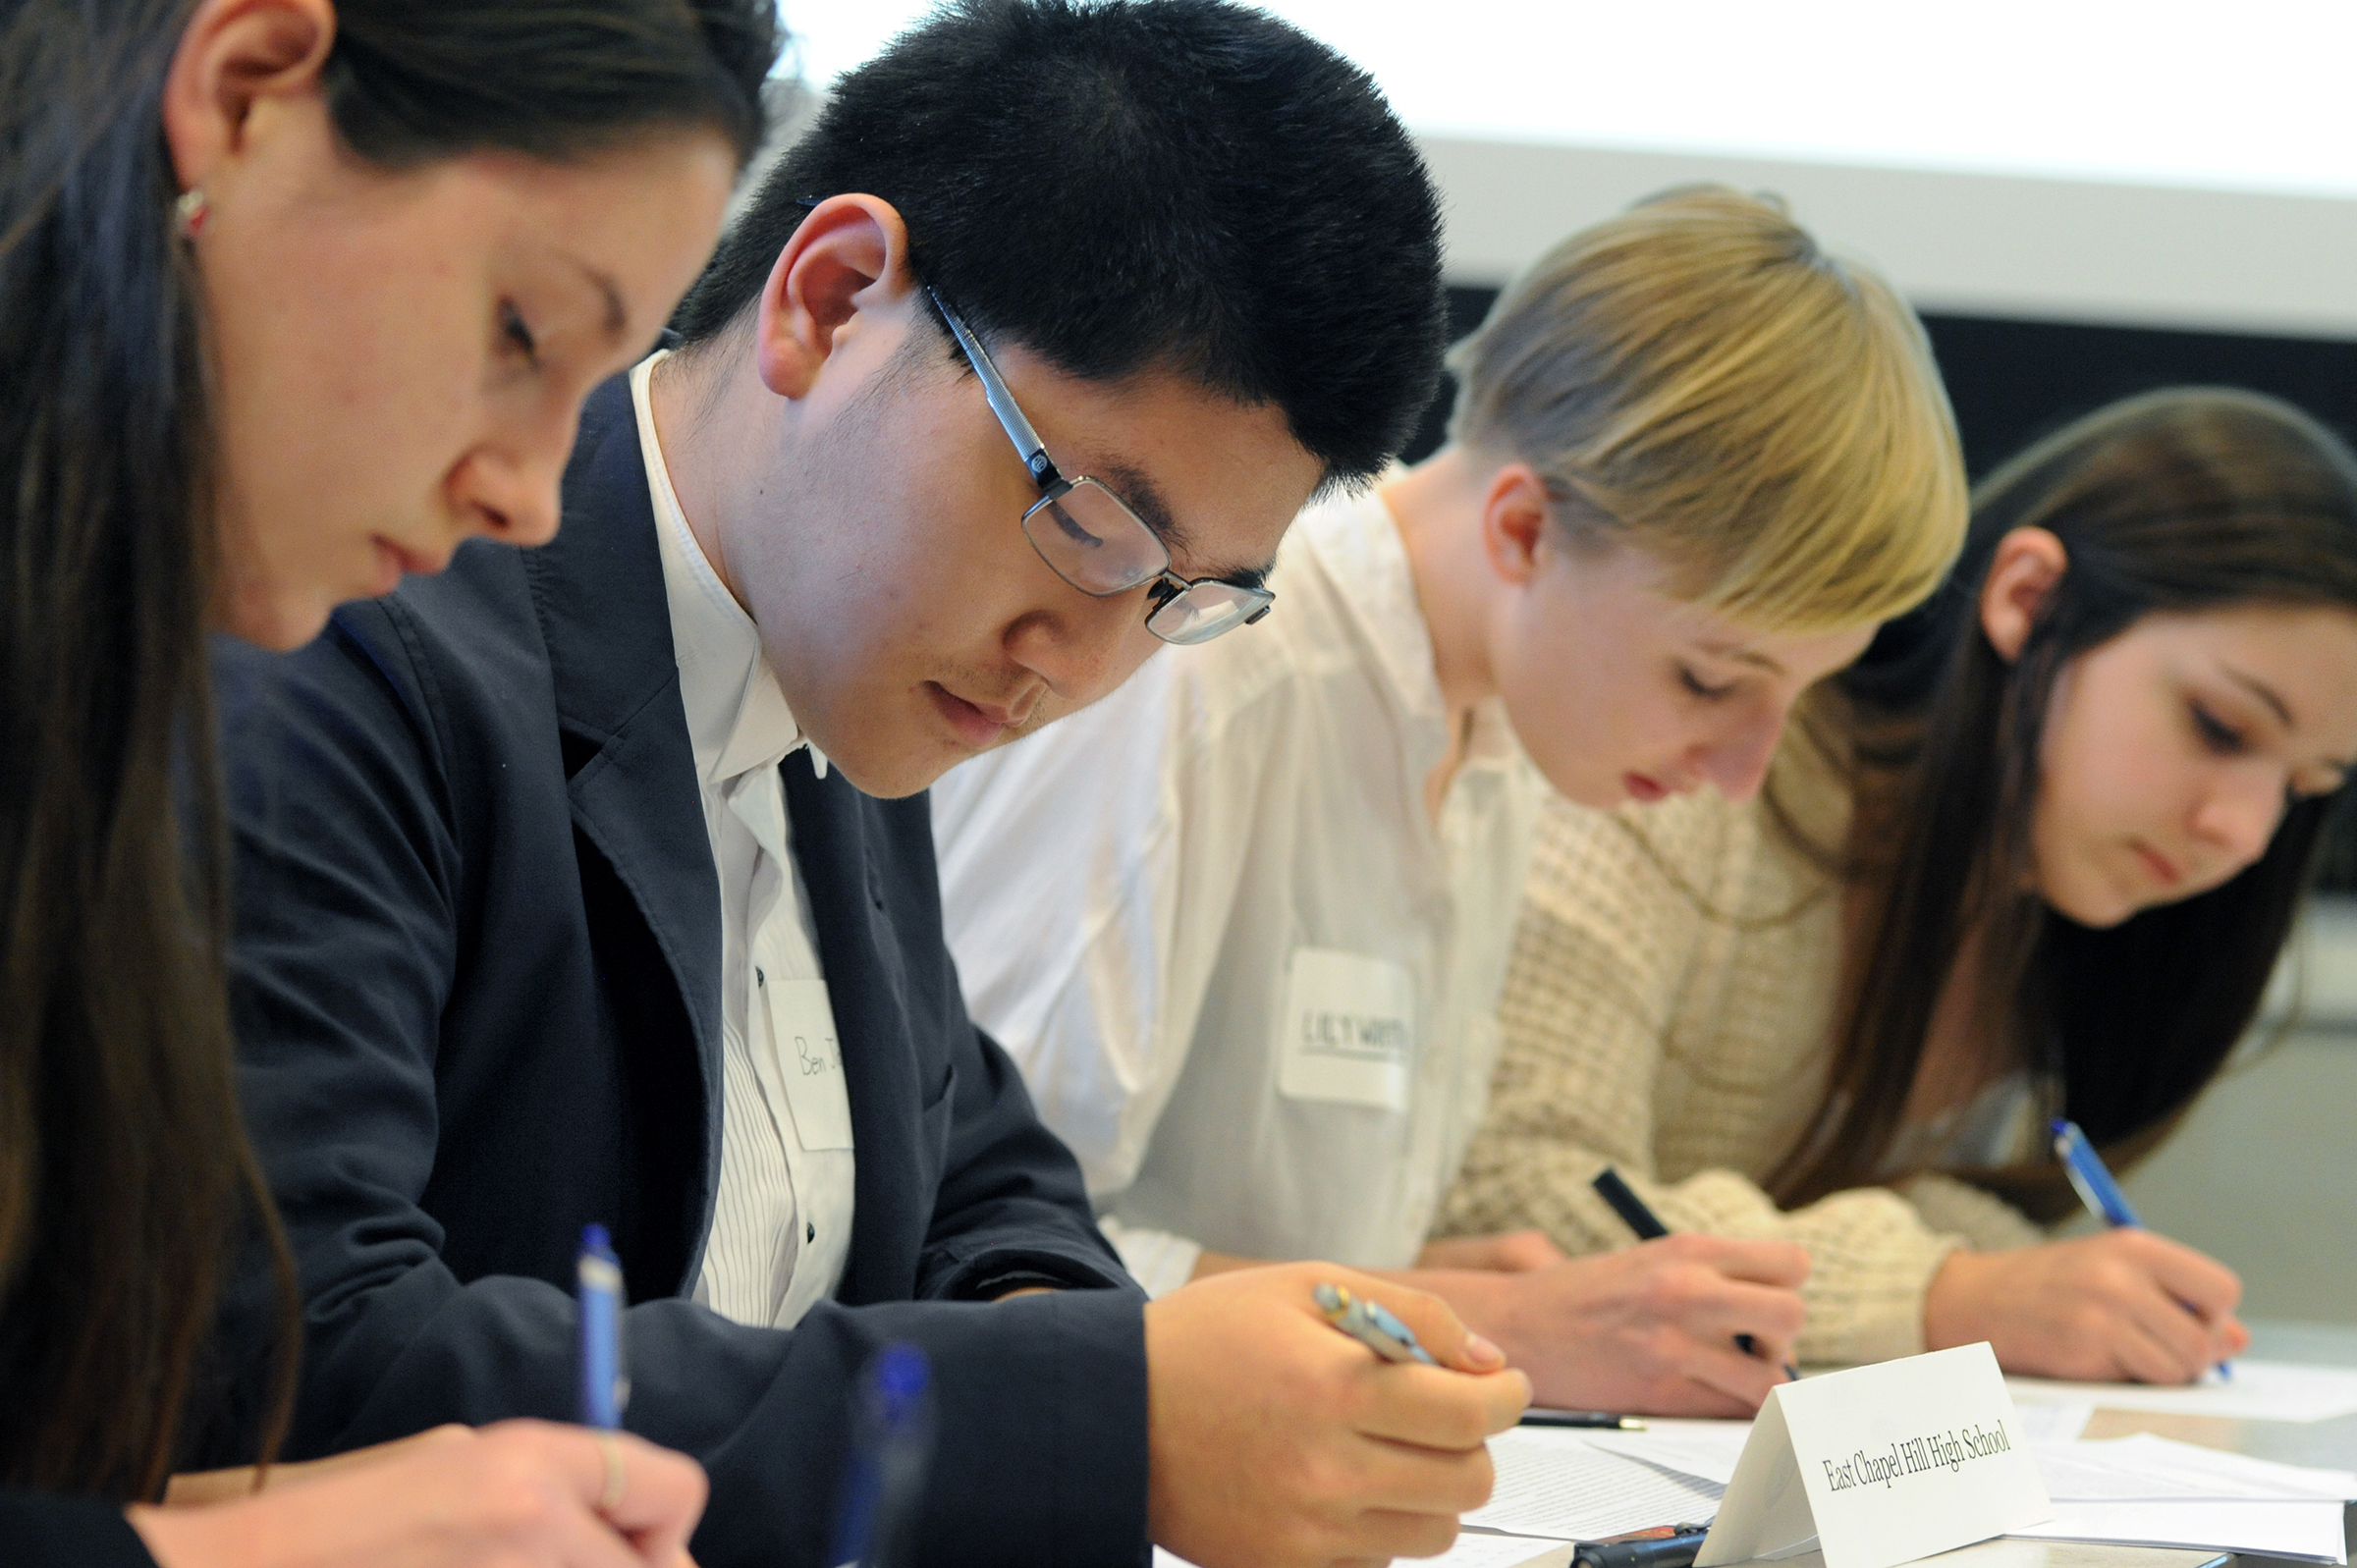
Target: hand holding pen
x,y
1648,1227
2093,1181
2123,1306
1291,1429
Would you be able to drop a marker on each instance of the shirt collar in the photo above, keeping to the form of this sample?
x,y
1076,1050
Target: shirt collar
x,y
737,716
1357,541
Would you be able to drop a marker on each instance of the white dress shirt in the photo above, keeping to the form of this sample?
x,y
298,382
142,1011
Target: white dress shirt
x,y
781,1223
1248,977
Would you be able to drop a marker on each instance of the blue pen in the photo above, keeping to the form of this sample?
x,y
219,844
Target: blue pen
x,y
2098,1190
1371,1324
605,1381
891,1451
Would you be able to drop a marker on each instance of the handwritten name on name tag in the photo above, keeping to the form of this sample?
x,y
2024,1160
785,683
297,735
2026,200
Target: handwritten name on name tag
x,y
1881,1465
801,1020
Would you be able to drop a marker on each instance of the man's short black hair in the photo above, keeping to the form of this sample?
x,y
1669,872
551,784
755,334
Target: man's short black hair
x,y
1127,185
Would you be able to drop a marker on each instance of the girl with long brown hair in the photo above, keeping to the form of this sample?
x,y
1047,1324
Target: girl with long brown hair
x,y
2035,857
295,297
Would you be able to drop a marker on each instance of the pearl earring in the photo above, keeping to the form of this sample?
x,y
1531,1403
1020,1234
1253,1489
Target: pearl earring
x,y
191,211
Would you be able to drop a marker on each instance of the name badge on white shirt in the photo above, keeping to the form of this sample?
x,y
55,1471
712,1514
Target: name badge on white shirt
x,y
802,1022
1350,1030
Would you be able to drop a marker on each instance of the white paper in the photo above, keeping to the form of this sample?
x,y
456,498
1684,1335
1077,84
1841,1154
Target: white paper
x,y
1552,1483
2055,1423
2260,1390
1473,1549
1707,1449
2311,1531
1882,1464
2156,1469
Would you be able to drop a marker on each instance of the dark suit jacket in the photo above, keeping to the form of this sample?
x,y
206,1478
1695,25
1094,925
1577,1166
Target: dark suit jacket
x,y
478,988
38,1532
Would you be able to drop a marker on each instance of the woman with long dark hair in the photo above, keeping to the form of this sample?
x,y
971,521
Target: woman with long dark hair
x,y
2035,857
295,297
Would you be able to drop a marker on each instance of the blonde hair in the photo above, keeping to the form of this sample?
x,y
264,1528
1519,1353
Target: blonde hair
x,y
1696,377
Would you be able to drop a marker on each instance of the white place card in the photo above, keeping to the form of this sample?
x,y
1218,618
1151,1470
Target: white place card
x,y
1882,1465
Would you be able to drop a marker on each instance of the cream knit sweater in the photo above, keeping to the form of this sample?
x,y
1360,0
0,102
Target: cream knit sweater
x,y
1666,1013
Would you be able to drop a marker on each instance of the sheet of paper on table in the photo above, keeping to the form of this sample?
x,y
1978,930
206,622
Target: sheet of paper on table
x,y
1473,1549
2310,1532
1707,1449
2155,1468
2147,1491
2260,1390
1552,1481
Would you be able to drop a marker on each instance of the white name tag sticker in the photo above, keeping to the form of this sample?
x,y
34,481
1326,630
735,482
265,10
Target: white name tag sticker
x,y
1881,1465
802,1022
1349,1027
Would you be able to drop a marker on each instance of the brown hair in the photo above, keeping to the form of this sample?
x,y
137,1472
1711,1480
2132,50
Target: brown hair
x,y
126,1182
2179,501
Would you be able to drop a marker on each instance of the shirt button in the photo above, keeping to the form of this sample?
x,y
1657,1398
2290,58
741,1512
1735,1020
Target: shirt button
x,y
809,1231
759,979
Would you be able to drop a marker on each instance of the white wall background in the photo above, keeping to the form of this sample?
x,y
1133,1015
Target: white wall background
x,y
2157,163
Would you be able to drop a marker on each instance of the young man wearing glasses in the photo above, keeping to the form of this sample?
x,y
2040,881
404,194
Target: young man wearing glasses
x,y
585,886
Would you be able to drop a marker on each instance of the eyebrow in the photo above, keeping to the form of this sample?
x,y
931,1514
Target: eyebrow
x,y
1143,496
1749,656
618,315
2344,766
2264,693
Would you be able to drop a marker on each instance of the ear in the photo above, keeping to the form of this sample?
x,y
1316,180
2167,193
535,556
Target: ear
x,y
1514,522
235,56
850,255
2022,574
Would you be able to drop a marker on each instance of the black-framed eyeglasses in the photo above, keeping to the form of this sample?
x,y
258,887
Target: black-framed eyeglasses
x,y
1091,538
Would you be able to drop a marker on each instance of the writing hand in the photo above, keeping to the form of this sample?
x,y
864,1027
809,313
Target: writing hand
x,y
1649,1328
518,1494
2125,1306
1276,1442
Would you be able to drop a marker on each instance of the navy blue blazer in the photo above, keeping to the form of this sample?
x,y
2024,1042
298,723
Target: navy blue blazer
x,y
476,981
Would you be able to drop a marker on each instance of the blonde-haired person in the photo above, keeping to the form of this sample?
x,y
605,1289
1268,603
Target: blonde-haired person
x,y
1244,923
2035,857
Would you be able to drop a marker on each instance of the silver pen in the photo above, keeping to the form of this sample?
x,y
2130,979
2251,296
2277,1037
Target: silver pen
x,y
1368,1323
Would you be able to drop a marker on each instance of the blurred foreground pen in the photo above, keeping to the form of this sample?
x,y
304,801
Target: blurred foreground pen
x,y
1368,1323
891,1451
597,1290
1649,1227
1664,1547
2100,1192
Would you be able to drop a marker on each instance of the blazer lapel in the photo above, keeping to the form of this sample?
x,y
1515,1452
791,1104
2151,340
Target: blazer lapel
x,y
606,619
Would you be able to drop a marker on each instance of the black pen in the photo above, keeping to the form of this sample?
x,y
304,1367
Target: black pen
x,y
1649,1227
1664,1547
1605,1419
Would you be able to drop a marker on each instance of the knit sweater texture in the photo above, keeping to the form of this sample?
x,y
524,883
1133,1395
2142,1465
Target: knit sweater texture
x,y
1667,1011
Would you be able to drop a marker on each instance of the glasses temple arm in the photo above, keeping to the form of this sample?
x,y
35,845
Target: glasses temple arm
x,y
1032,450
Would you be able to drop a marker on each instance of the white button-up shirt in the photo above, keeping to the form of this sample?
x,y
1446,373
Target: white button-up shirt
x,y
781,1223
1248,975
